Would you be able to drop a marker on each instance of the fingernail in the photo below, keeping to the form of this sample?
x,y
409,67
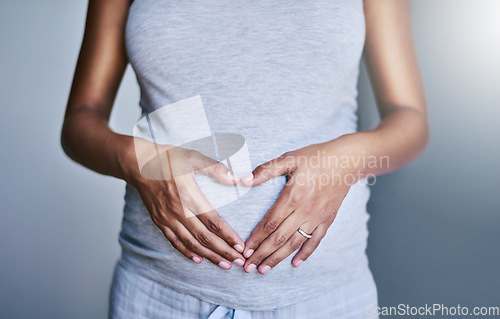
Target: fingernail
x,y
250,268
297,264
225,265
248,253
265,269
247,178
197,259
232,176
238,248
239,262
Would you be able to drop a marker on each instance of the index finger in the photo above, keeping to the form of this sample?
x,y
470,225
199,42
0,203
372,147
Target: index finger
x,y
205,212
280,210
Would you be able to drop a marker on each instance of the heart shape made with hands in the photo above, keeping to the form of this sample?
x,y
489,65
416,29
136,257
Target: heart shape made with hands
x,y
182,126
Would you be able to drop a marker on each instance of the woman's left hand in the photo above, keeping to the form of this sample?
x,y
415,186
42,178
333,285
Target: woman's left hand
x,y
319,177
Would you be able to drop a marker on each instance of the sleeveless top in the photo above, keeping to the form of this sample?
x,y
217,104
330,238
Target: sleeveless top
x,y
282,74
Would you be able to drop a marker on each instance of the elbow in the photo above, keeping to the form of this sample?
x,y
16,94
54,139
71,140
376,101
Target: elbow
x,y
64,139
67,136
427,136
424,130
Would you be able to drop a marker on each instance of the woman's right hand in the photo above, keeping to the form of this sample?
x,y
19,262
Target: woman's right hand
x,y
178,207
87,138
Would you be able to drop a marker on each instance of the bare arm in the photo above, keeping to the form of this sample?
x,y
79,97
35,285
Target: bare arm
x,y
86,136
393,68
401,135
195,230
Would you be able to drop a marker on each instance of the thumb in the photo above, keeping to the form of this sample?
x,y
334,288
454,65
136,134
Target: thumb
x,y
216,170
279,166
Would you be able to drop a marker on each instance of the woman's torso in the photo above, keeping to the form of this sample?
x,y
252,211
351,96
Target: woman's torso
x,y
282,74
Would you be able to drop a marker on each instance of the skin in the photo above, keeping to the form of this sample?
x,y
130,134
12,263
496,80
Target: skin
x,y
87,138
401,135
176,204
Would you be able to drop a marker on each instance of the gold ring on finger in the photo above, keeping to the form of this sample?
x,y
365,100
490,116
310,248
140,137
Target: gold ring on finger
x,y
303,233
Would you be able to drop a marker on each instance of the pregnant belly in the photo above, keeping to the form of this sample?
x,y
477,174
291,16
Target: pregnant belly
x,y
250,206
242,210
338,257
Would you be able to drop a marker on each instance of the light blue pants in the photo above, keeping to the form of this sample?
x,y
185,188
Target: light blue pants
x,y
136,297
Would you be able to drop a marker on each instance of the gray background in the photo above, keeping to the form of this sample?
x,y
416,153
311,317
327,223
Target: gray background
x,y
435,223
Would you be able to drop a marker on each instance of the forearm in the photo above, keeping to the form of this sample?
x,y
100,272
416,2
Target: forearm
x,y
399,138
87,139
